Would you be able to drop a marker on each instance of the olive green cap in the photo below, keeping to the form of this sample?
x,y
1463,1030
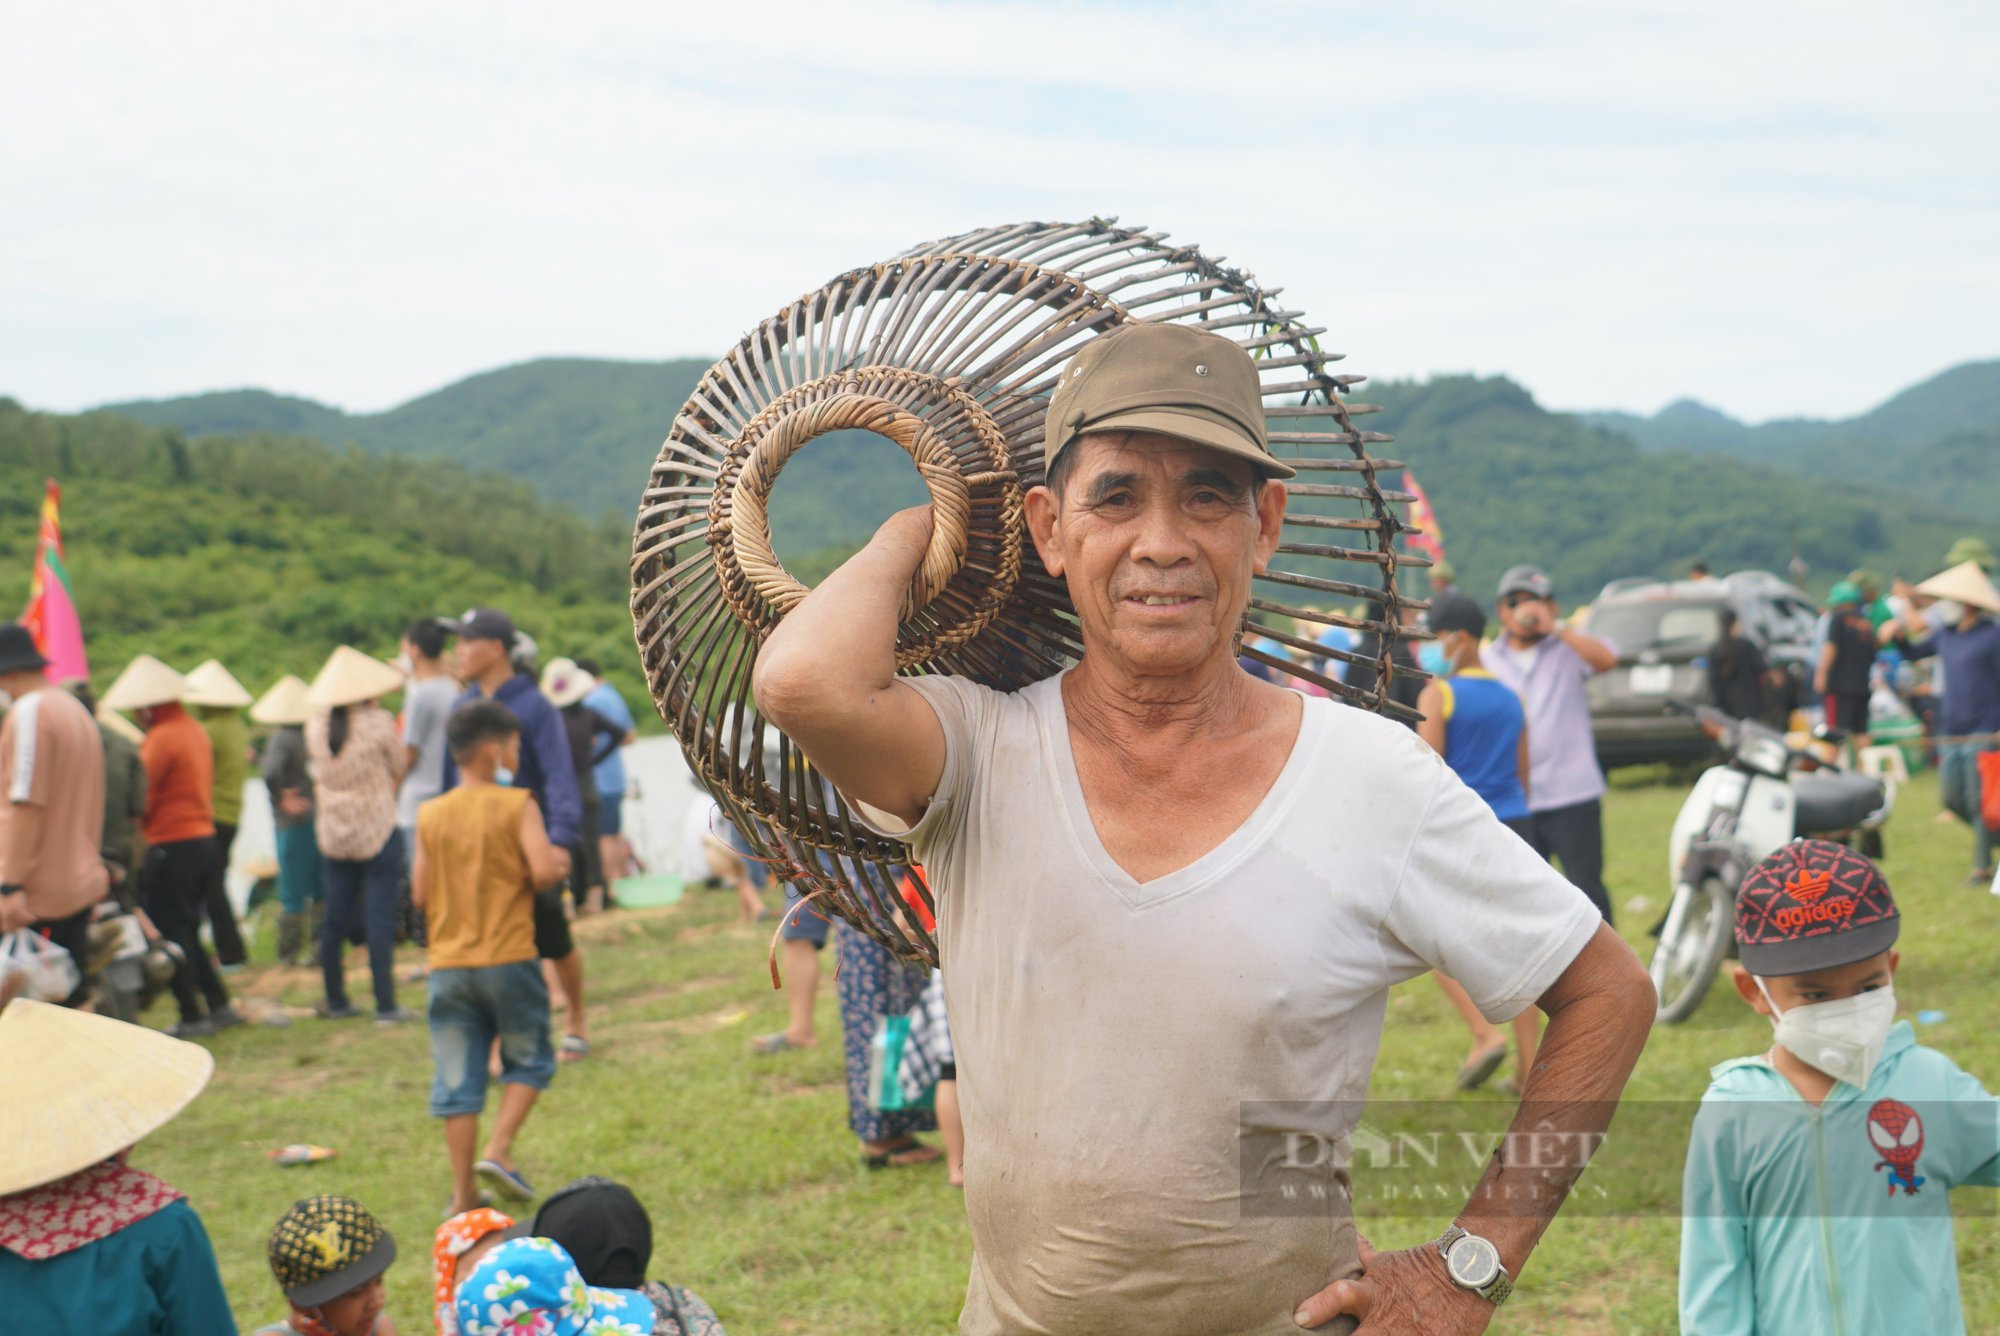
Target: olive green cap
x,y
1173,379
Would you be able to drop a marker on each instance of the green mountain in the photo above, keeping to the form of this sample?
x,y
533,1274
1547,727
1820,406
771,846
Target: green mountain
x,y
1513,482
1593,496
267,551
583,432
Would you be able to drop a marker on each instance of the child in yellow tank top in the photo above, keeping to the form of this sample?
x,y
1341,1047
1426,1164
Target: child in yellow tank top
x,y
482,852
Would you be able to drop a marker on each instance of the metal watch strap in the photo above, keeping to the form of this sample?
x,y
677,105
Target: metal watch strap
x,y
1495,1291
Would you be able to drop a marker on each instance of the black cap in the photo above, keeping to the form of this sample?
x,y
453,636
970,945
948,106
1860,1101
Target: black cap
x,y
1813,905
481,624
1453,611
1526,579
17,650
603,1228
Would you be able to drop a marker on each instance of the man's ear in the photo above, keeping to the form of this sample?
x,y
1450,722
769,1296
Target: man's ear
x,y
1044,516
1271,498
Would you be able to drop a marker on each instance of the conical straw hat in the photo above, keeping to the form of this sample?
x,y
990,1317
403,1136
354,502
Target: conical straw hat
x,y
284,703
351,677
84,1088
145,681
212,684
1966,583
565,684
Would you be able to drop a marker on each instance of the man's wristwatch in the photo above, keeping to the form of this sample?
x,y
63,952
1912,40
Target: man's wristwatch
x,y
1474,1264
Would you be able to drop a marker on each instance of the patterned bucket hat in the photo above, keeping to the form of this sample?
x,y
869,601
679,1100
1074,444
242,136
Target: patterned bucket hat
x,y
326,1246
1813,905
531,1287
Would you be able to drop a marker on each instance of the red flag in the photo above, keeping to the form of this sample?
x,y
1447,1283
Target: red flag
x,y
1423,535
51,612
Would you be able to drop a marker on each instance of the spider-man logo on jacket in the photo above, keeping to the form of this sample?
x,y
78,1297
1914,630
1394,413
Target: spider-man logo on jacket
x,y
1897,1134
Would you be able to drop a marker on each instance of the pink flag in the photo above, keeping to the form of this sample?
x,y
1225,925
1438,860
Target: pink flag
x,y
1424,535
51,613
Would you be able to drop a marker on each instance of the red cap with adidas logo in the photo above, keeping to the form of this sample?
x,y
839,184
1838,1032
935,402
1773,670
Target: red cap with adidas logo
x,y
1813,905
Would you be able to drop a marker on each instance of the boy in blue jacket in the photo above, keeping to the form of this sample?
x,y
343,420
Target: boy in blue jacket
x,y
1815,1194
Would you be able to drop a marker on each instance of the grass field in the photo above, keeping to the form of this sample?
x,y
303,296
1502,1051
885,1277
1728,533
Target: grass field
x,y
760,1205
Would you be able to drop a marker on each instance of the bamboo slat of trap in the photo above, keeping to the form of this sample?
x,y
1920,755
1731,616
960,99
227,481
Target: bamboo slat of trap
x,y
950,349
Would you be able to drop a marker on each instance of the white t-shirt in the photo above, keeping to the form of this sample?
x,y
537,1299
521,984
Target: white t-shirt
x,y
426,707
1112,1037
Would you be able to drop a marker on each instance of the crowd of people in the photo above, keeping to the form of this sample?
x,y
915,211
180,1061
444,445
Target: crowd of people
x,y
476,824
1123,897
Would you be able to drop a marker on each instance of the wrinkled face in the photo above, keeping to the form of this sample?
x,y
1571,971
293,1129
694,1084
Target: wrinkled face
x,y
354,1313
478,657
1157,540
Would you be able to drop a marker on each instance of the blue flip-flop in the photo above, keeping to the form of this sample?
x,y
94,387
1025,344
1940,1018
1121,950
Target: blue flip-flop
x,y
507,1182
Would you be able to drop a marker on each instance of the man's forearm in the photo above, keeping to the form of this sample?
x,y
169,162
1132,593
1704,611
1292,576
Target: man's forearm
x,y
837,647
1580,1069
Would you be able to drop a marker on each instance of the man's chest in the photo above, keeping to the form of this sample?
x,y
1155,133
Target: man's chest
x,y
1156,815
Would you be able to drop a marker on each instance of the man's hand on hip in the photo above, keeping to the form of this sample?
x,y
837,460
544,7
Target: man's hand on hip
x,y
1405,1293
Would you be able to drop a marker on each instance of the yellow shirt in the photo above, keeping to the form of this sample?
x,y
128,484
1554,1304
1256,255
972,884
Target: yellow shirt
x,y
479,906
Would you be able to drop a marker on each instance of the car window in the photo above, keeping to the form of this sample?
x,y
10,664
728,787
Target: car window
x,y
1657,625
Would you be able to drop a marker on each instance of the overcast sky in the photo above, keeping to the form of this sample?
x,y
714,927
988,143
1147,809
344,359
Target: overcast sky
x,y
1781,209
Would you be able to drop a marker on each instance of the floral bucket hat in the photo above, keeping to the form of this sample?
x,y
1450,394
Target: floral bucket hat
x,y
531,1287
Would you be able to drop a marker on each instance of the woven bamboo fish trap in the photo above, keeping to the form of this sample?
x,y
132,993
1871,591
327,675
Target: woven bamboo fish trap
x,y
950,350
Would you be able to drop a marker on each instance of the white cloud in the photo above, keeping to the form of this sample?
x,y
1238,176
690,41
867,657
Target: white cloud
x,y
1785,208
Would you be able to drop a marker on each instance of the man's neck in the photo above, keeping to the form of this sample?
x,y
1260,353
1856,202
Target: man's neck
x,y
468,779
1121,706
422,670
1523,642
23,685
490,683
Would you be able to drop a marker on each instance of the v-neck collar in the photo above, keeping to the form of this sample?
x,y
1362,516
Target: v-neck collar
x,y
1234,847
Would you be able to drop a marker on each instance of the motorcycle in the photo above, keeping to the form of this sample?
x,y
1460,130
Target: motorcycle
x,y
1765,794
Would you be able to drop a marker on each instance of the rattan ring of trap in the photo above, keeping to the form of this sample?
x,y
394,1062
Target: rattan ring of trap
x,y
759,588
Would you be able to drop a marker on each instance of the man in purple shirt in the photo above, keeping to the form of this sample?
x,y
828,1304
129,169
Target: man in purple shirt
x,y
1546,663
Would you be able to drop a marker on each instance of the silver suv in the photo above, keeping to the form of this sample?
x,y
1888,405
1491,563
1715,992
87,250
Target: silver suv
x,y
1664,631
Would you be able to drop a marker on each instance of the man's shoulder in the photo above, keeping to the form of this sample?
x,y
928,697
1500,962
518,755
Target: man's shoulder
x,y
1362,735
962,698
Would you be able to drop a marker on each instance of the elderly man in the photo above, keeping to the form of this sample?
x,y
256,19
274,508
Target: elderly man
x,y
1173,897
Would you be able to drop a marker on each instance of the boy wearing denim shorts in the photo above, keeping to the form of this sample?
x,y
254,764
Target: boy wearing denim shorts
x,y
482,853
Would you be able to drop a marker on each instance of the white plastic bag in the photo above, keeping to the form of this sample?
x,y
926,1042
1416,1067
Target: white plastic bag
x,y
39,968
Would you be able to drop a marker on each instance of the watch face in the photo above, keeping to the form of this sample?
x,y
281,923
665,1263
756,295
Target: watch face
x,y
1473,1262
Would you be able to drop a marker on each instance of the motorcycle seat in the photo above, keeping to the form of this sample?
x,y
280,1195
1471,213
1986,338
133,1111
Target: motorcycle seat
x,y
1833,802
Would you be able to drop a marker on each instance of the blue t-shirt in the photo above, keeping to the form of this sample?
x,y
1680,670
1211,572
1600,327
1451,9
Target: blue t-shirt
x,y
1336,637
1971,662
155,1277
610,772
1482,739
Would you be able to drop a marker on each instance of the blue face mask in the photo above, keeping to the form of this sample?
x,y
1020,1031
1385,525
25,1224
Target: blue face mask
x,y
1430,657
504,777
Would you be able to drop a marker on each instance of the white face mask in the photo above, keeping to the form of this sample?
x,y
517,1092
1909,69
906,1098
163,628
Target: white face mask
x,y
1842,1038
504,777
1947,612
